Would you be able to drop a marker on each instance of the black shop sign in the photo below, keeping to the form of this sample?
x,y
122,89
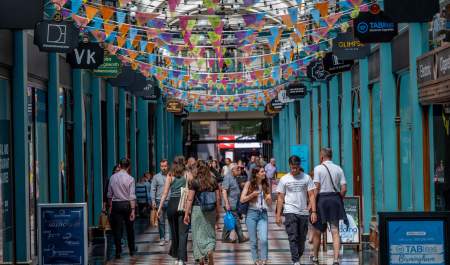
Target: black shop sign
x,y
56,36
296,90
411,11
443,63
333,65
86,56
425,69
316,71
276,104
146,88
20,14
347,47
373,28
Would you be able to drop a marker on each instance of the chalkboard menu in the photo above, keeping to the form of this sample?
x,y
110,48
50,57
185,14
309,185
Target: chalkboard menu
x,y
62,234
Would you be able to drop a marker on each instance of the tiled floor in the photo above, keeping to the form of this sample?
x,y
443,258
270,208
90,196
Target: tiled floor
x,y
149,251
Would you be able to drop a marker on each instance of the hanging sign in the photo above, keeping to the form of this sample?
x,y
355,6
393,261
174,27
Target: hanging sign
x,y
283,97
86,56
373,28
30,14
346,47
333,65
425,69
276,104
147,89
174,106
62,233
411,11
125,79
56,36
443,63
315,70
296,90
110,68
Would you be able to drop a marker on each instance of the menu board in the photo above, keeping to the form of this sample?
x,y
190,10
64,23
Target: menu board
x,y
349,234
62,234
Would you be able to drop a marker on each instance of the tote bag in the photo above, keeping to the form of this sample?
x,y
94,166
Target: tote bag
x,y
183,197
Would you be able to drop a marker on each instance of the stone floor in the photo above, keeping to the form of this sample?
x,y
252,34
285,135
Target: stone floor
x,y
149,251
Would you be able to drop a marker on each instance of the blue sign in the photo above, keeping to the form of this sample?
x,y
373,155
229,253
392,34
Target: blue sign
x,y
63,234
416,242
302,151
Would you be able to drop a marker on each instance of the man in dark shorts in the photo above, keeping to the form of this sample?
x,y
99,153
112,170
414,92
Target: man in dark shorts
x,y
331,188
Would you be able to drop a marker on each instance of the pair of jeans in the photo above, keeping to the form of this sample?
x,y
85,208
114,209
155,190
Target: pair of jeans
x,y
297,229
120,214
178,230
257,230
226,233
162,220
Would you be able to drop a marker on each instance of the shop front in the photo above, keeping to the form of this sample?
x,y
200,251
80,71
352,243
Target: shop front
x,y
433,76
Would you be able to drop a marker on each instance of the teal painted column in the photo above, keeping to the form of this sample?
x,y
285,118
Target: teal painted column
x,y
97,147
77,86
324,113
159,130
388,131
431,155
178,129
347,155
111,126
284,137
122,123
292,126
276,139
315,125
53,128
142,123
415,50
365,143
20,147
133,156
334,119
170,134
305,123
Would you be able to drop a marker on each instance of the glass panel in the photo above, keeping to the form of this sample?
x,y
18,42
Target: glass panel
x,y
6,191
441,158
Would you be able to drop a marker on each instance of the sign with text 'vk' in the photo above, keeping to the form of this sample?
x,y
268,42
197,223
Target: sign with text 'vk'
x,y
86,56
62,234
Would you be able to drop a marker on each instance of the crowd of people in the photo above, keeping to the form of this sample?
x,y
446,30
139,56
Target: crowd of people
x,y
191,195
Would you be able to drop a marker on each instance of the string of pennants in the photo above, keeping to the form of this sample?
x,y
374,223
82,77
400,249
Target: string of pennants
x,y
189,78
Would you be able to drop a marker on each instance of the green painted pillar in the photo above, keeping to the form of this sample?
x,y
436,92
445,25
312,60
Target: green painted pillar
x,y
122,123
133,156
365,143
315,125
276,140
416,37
159,132
431,155
292,126
142,123
388,131
77,79
53,128
347,155
324,113
111,126
334,119
20,147
178,137
305,122
97,147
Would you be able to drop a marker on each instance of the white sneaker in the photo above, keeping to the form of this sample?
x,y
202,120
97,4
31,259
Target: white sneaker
x,y
162,242
297,263
175,262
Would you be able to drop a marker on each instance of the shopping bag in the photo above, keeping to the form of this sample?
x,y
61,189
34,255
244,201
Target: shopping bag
x,y
104,221
153,218
183,197
229,221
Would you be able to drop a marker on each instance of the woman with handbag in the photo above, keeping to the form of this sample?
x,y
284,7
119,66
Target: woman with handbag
x,y
176,184
257,194
204,200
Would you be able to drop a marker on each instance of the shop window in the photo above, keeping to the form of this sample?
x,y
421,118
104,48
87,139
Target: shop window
x,y
441,157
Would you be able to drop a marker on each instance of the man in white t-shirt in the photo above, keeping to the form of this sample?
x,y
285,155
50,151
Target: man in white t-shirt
x,y
293,190
331,188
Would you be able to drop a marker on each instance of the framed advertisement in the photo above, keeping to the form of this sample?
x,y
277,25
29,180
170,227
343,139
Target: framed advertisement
x,y
62,233
351,234
414,238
